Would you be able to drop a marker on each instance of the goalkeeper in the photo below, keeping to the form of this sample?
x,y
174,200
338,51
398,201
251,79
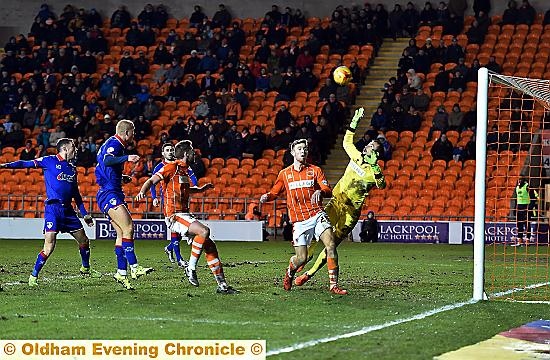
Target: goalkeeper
x,y
344,208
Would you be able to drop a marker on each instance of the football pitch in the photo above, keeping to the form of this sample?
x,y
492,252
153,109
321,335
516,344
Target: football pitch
x,y
407,301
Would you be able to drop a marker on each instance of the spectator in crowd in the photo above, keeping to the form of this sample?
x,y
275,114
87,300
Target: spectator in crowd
x,y
456,118
28,153
233,110
454,52
526,13
411,120
493,66
84,157
476,34
255,143
222,17
421,100
442,149
459,154
546,19
440,121
411,18
283,117
481,6
441,81
334,112
121,18
379,120
55,135
210,149
201,109
387,147
369,228
197,17
151,111
43,137
458,81
142,128
511,14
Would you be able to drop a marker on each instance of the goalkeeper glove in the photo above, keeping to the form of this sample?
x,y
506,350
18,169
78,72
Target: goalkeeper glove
x,y
356,117
377,171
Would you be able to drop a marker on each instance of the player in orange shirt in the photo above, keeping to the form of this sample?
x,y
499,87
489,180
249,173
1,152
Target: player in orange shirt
x,y
176,189
305,186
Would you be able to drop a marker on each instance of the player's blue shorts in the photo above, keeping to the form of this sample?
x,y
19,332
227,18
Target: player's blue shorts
x,y
60,218
109,199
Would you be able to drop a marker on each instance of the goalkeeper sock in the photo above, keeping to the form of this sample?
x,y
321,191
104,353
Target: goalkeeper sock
x,y
85,254
40,262
175,245
196,251
213,260
121,260
332,264
128,246
319,263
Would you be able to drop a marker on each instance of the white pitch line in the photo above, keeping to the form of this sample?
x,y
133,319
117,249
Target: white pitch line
x,y
372,328
44,279
189,321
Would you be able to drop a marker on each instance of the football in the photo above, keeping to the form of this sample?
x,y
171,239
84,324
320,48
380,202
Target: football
x,y
342,75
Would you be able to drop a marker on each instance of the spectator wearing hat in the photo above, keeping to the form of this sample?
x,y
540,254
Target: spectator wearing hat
x,y
369,228
454,52
387,147
201,109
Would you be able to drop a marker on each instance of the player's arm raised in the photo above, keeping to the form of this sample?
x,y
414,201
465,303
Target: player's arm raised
x,y
146,186
349,147
21,164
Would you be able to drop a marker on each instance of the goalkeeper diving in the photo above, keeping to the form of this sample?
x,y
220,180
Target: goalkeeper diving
x,y
361,175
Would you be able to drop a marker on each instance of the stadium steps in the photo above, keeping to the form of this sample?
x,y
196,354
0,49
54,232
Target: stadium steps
x,y
383,67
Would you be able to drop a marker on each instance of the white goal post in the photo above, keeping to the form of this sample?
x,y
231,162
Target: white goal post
x,y
515,261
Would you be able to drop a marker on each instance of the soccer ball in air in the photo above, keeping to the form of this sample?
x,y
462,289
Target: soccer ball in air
x,y
342,75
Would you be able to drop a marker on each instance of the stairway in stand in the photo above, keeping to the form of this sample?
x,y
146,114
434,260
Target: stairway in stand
x,y
383,67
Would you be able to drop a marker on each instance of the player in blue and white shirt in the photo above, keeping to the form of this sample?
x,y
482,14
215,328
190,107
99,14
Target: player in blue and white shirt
x,y
168,155
61,180
110,199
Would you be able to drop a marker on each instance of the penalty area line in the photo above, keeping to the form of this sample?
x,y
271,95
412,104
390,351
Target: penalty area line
x,y
369,329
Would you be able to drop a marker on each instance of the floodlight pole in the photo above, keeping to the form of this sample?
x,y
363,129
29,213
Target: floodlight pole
x,y
481,158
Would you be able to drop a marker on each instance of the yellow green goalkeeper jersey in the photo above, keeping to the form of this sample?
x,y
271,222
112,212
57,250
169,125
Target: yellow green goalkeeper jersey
x,y
359,177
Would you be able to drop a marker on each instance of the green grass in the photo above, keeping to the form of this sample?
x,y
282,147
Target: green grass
x,y
387,282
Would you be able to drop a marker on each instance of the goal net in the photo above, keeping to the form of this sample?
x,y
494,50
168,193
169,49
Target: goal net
x,y
511,249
